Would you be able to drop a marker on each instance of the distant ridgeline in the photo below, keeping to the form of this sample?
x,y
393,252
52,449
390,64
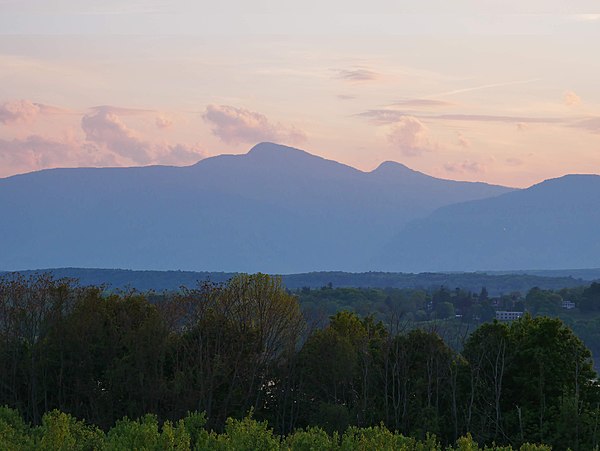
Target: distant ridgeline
x,y
496,283
278,209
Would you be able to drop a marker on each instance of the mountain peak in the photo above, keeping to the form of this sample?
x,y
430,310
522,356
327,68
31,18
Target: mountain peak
x,y
389,166
269,148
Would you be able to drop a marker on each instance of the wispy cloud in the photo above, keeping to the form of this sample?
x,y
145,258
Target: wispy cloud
x,y
486,86
357,74
383,116
514,161
466,166
121,111
239,125
590,124
423,103
345,97
388,116
493,118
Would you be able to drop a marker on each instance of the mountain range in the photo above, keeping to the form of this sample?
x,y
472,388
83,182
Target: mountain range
x,y
282,210
552,225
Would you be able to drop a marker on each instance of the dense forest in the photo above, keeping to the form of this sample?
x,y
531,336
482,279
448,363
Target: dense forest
x,y
455,313
225,350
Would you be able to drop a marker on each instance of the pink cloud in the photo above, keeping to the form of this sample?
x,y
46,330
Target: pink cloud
x,y
410,136
107,141
389,116
383,116
120,111
106,128
239,125
357,74
466,166
423,103
38,152
591,124
463,141
25,111
514,161
522,126
571,99
18,111
163,121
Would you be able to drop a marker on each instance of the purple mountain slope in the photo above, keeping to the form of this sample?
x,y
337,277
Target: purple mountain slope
x,y
554,224
274,209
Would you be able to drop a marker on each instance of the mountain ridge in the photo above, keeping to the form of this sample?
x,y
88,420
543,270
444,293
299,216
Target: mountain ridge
x,y
550,225
253,212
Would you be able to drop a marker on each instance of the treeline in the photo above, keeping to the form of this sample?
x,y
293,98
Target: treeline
x,y
496,283
454,313
60,431
245,346
443,302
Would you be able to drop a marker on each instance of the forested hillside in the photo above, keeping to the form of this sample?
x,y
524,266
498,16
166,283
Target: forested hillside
x,y
246,346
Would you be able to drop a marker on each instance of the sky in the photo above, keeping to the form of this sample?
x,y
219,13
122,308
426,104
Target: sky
x,y
505,92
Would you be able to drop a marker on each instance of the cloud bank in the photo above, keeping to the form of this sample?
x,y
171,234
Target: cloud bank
x,y
105,128
18,111
239,125
106,141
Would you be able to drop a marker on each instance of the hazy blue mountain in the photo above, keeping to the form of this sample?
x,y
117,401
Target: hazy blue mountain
x,y
552,225
496,284
274,209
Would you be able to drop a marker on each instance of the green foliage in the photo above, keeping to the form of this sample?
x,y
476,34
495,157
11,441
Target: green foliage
x,y
466,443
14,433
590,298
144,434
61,431
227,349
194,423
175,438
534,447
543,302
380,438
311,439
248,435
444,310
